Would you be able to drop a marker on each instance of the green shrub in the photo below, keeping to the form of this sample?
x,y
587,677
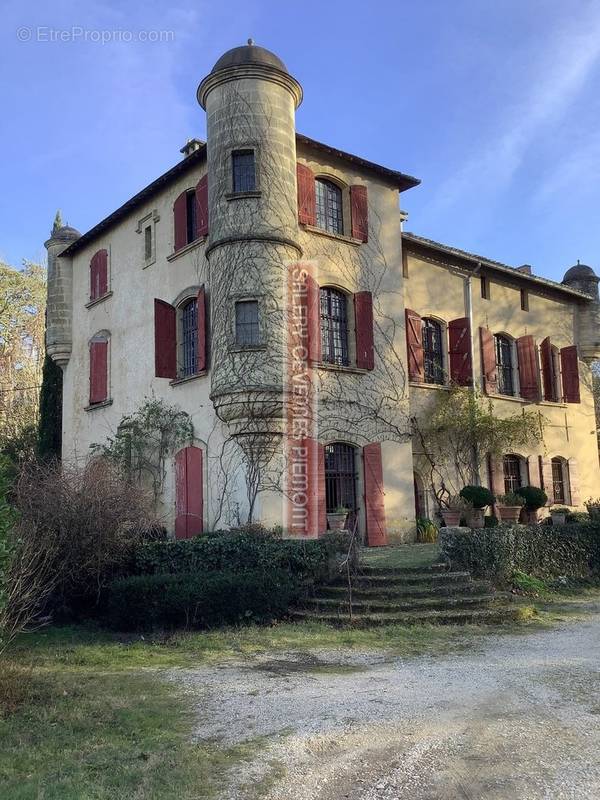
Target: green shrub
x,y
241,551
578,516
528,584
427,531
200,600
534,497
477,496
539,550
490,522
511,499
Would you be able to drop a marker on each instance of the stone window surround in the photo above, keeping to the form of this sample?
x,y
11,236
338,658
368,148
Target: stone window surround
x,y
153,217
237,297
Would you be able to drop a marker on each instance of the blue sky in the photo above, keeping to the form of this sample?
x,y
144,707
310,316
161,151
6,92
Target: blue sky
x,y
495,106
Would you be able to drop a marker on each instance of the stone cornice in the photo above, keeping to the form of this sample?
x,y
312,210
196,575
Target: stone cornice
x,y
255,71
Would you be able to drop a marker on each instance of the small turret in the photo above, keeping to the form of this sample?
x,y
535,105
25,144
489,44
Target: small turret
x,y
59,311
583,278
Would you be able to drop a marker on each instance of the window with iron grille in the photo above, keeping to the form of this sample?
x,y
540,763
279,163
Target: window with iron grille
x,y
512,473
247,333
504,365
244,172
334,327
189,338
433,360
558,481
329,206
190,206
340,477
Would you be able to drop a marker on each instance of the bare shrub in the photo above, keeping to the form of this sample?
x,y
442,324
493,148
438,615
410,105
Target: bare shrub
x,y
76,529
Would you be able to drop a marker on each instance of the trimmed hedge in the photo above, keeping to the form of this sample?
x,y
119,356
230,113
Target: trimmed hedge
x,y
242,551
540,550
198,600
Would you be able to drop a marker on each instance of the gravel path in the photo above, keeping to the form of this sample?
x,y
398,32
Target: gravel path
x,y
516,717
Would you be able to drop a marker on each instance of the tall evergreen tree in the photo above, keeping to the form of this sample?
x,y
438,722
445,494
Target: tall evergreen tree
x,y
50,428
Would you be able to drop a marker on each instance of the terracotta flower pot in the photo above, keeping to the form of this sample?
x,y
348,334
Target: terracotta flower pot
x,y
509,513
476,517
531,516
451,518
337,522
558,518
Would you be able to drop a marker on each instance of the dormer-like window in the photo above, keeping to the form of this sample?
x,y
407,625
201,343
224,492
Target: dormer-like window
x,y
244,171
329,206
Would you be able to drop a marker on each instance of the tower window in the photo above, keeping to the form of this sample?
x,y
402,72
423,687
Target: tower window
x,y
433,360
189,338
244,171
504,364
247,332
329,206
334,327
190,207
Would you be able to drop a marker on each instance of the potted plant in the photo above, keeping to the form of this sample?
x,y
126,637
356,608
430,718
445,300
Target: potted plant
x,y
479,497
509,506
559,515
338,518
456,506
534,498
426,530
593,508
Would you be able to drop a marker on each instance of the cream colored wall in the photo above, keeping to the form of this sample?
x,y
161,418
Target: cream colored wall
x,y
570,429
129,316
373,266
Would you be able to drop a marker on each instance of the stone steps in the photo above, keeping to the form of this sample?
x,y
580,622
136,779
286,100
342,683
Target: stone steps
x,y
467,587
480,616
381,578
377,604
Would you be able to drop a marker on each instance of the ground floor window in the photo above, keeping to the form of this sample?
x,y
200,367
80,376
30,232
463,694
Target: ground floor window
x,y
559,494
340,476
512,473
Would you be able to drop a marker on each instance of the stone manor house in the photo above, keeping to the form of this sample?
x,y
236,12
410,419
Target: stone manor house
x,y
180,295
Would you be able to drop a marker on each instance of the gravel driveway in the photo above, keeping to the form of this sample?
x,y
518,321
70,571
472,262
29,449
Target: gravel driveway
x,y
514,717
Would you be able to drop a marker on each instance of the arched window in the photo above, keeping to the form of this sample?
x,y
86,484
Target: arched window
x,y
560,480
504,364
512,473
189,338
329,206
334,326
340,476
433,359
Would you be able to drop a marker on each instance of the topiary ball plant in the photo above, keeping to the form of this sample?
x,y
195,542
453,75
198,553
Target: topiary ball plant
x,y
477,496
534,497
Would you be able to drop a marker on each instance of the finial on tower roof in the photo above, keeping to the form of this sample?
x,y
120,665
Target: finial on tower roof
x,y
58,223
250,42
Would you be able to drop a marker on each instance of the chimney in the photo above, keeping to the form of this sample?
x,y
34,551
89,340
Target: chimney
x,y
403,218
525,268
191,146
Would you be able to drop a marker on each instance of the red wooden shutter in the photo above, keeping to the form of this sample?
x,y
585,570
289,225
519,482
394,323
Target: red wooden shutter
x,y
94,278
374,495
98,371
570,374
363,314
360,212
201,358
180,221
165,340
528,371
547,482
573,476
307,202
202,207
189,493
459,334
548,378
414,346
102,272
313,319
496,474
488,361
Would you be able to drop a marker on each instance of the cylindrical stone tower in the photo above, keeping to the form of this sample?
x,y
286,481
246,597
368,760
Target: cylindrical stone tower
x,y
59,308
250,101
582,277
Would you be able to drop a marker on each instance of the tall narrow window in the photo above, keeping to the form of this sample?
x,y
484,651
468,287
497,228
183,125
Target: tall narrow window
x,y
334,327
340,476
147,242
244,171
247,331
433,360
558,481
504,364
512,473
485,287
189,338
329,207
524,300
